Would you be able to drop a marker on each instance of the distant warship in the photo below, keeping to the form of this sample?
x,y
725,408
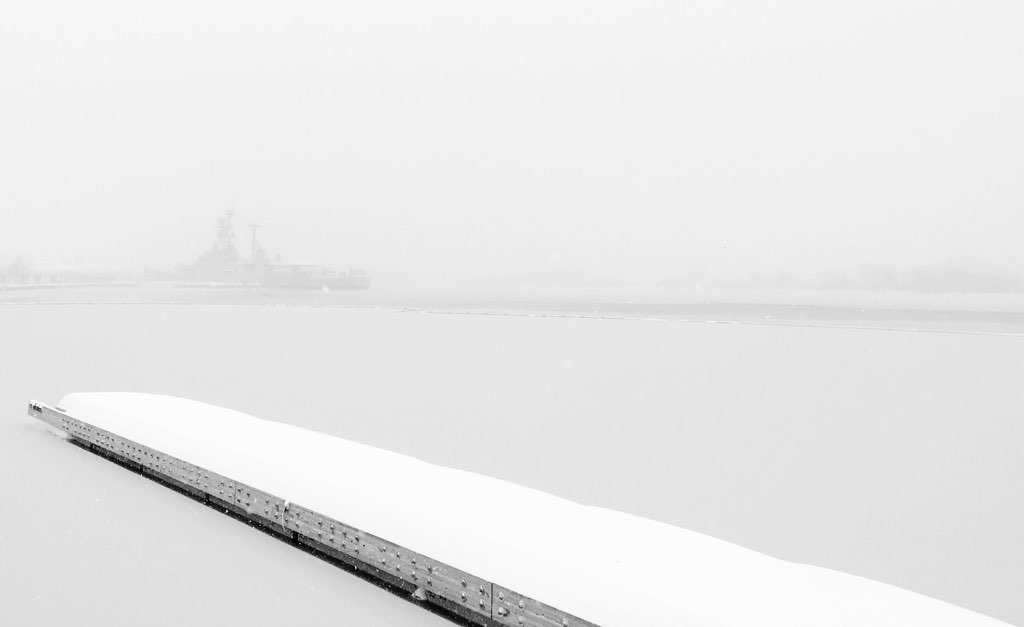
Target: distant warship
x,y
222,264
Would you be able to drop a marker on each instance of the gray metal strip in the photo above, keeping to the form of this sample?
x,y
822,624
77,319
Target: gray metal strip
x,y
438,583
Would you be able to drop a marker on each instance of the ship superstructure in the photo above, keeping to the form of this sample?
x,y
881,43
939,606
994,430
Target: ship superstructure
x,y
222,264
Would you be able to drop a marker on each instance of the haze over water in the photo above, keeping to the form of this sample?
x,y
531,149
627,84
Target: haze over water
x,y
542,141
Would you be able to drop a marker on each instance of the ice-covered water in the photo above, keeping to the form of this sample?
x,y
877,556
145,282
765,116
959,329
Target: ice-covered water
x,y
886,454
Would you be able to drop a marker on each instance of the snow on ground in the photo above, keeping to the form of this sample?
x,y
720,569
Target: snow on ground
x,y
889,455
584,560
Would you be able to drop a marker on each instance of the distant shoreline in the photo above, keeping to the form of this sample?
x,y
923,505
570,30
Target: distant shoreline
x,y
990,313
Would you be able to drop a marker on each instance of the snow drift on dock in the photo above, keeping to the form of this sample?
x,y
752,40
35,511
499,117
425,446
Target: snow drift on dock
x,y
607,567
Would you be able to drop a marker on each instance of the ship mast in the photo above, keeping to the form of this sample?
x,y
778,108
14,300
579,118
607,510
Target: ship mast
x,y
252,250
226,229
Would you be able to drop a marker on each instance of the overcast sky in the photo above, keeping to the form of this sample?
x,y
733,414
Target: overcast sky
x,y
459,139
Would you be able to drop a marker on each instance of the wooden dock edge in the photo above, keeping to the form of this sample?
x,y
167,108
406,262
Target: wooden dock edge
x,y
447,588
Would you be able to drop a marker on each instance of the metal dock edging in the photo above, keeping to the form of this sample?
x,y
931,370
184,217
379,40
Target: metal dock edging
x,y
472,598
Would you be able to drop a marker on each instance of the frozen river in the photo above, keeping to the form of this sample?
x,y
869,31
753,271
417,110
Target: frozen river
x,y
887,454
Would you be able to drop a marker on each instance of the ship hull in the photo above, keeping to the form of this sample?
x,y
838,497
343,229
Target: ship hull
x,y
316,283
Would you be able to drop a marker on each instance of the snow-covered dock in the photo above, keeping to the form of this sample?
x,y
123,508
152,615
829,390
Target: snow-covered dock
x,y
493,552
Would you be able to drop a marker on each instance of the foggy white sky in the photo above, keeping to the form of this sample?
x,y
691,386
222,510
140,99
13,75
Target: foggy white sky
x,y
458,139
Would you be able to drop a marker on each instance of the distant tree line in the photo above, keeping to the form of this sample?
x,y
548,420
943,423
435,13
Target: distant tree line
x,y
871,277
935,278
17,270
939,278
